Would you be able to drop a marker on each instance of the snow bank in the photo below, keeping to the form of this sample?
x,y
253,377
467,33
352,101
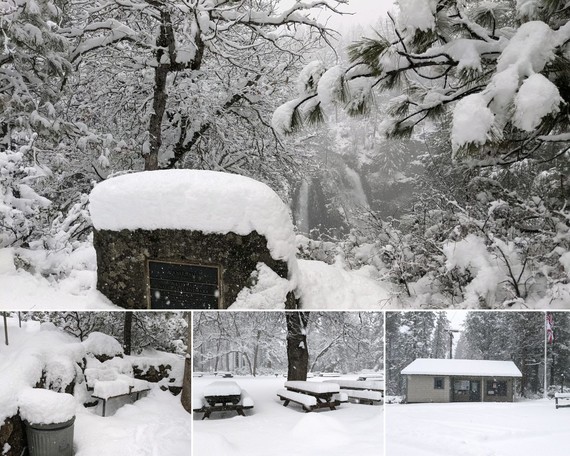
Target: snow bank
x,y
41,406
313,424
154,425
322,286
269,291
206,201
102,344
424,366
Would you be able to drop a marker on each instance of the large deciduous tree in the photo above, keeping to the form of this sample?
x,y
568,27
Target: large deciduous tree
x,y
297,349
190,82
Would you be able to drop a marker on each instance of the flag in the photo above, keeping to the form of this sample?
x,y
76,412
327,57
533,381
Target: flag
x,y
549,328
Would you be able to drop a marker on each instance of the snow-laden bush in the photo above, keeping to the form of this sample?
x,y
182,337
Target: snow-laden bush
x,y
22,210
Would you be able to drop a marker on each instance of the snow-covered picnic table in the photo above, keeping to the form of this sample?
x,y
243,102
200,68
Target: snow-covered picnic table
x,y
365,391
563,396
222,396
312,395
375,376
121,387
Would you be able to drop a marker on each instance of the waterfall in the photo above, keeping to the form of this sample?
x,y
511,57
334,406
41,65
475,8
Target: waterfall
x,y
302,209
356,189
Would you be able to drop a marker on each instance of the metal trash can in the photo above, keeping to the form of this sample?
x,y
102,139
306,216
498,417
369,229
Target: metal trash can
x,y
50,439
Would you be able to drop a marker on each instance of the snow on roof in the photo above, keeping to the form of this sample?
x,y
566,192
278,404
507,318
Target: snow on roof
x,y
206,201
485,368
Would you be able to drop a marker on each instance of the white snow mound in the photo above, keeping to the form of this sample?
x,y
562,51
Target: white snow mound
x,y
41,406
102,344
206,201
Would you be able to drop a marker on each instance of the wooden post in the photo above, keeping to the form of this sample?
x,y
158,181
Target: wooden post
x,y
5,327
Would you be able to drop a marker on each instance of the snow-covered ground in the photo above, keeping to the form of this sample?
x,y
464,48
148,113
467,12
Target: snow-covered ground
x,y
156,425
526,428
270,428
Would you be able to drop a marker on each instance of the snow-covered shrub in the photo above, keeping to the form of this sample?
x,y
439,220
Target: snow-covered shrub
x,y
22,210
102,346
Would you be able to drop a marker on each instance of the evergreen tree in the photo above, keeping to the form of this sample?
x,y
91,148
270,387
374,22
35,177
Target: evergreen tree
x,y
440,341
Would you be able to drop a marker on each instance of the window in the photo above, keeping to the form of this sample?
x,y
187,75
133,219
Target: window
x,y
438,383
496,388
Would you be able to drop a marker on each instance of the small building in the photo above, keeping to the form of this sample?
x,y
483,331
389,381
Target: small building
x,y
460,380
189,239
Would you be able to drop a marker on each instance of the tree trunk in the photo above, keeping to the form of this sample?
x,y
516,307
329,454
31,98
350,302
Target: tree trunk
x,y
297,350
164,41
4,315
127,332
186,396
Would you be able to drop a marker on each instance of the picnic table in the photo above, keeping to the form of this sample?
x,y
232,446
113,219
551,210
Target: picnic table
x,y
563,396
364,391
123,387
372,376
221,396
312,395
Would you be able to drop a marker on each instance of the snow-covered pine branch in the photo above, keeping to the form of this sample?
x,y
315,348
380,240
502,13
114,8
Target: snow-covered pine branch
x,y
502,81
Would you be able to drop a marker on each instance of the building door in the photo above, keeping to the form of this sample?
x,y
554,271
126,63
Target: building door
x,y
475,391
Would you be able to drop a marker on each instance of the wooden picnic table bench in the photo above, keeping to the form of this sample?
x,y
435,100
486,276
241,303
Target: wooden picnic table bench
x,y
122,387
311,395
224,396
364,391
564,396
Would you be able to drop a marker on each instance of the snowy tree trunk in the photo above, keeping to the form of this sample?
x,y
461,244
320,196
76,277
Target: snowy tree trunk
x,y
5,327
297,350
127,332
186,396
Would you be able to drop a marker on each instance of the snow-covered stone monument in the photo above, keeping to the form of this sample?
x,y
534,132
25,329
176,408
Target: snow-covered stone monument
x,y
189,239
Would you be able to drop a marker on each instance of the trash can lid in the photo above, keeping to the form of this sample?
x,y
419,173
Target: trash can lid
x,y
42,406
51,426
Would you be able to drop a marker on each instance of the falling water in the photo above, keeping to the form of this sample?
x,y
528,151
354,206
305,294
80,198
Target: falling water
x,y
356,189
302,209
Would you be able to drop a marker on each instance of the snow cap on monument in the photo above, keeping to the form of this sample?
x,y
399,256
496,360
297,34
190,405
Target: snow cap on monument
x,y
206,201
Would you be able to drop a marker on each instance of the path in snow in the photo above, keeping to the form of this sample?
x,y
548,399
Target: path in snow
x,y
526,428
270,428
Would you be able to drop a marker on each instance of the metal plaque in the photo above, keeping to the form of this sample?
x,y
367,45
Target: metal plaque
x,y
183,286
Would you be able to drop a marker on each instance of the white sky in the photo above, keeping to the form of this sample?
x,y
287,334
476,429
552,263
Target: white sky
x,y
366,12
456,319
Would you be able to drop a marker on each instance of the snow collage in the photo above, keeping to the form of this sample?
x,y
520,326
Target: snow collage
x,y
284,227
